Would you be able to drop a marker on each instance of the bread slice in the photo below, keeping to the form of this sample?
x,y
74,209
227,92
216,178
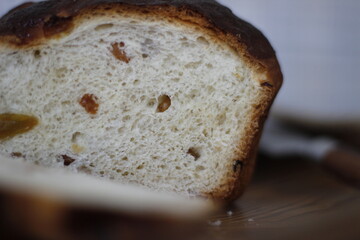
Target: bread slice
x,y
43,203
171,95
21,177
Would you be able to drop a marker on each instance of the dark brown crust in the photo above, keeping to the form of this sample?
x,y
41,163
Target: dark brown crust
x,y
32,22
36,23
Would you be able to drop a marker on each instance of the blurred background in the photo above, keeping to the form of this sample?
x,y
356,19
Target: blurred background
x,y
318,45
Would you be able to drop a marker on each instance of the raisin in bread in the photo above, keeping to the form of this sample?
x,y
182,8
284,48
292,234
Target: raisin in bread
x,y
171,95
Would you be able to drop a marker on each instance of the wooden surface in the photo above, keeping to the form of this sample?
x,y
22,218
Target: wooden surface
x,y
292,199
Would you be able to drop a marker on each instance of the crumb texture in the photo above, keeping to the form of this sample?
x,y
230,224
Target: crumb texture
x,y
146,102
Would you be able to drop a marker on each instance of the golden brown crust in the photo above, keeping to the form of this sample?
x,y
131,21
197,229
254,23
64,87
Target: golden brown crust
x,y
244,165
36,23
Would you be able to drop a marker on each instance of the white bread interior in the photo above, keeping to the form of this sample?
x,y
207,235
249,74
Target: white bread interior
x,y
190,148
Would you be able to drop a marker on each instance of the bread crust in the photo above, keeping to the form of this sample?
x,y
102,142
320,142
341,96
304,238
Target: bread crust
x,y
33,24
30,23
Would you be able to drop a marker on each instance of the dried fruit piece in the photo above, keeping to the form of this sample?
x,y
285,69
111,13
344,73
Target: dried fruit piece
x,y
164,103
77,148
118,52
15,124
194,152
89,102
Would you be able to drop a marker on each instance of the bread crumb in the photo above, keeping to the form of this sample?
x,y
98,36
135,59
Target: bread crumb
x,y
251,220
215,223
230,213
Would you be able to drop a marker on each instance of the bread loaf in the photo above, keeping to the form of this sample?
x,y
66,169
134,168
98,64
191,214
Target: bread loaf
x,y
171,95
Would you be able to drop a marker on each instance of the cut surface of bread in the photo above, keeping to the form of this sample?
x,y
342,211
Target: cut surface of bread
x,y
138,98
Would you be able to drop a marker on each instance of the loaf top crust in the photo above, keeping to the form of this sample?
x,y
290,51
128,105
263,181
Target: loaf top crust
x,y
32,23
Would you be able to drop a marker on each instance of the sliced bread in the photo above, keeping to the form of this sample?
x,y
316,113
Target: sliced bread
x,y
171,95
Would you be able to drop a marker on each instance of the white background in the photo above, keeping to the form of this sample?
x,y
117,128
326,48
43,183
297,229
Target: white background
x,y
318,45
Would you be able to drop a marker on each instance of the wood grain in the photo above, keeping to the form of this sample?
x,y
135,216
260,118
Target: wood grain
x,y
292,199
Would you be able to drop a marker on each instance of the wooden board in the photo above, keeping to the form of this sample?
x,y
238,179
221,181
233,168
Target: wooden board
x,y
292,199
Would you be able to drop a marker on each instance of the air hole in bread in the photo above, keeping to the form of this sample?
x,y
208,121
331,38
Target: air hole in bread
x,y
121,130
174,129
61,72
210,89
133,98
164,103
202,40
200,168
142,98
194,93
75,137
205,133
221,118
37,54
151,102
144,55
195,152
209,65
169,33
16,155
193,65
148,42
104,26
67,160
140,167
237,165
266,84
126,118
